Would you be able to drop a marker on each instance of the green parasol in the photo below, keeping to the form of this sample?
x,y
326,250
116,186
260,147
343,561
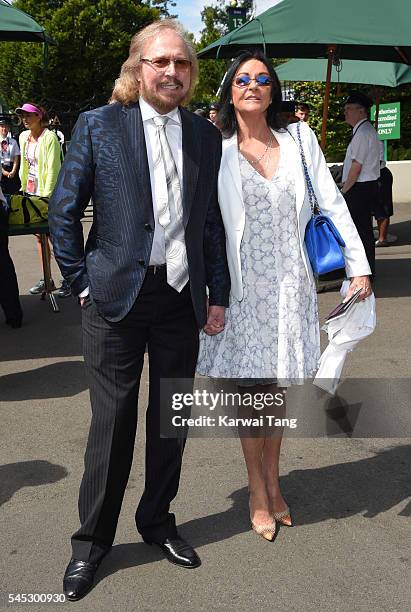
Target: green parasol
x,y
383,74
16,25
331,29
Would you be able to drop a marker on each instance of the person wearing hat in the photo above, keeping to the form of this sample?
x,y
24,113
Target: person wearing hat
x,y
213,112
40,164
361,170
10,159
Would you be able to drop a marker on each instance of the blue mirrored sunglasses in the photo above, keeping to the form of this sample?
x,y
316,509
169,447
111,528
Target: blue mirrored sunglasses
x,y
244,80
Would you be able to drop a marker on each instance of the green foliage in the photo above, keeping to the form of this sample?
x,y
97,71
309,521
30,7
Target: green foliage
x,y
338,132
92,41
398,153
163,7
215,20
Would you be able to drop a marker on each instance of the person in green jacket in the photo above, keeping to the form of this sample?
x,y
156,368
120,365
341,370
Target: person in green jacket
x,y
40,162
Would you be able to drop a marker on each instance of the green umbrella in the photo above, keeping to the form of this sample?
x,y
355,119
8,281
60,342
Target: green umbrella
x,y
383,74
352,29
374,30
16,25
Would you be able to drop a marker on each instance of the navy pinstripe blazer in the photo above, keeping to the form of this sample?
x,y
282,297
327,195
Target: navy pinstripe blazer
x,y
107,160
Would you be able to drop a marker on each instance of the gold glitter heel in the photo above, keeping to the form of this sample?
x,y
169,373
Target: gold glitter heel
x,y
284,517
266,531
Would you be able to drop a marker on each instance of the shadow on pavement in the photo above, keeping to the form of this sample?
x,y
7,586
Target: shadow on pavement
x,y
63,379
15,476
124,556
393,278
198,532
402,229
44,333
368,487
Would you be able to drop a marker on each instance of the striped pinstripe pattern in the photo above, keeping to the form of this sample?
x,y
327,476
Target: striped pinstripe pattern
x,y
107,160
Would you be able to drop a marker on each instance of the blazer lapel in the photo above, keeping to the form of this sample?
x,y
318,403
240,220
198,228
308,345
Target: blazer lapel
x,y
230,148
132,131
191,161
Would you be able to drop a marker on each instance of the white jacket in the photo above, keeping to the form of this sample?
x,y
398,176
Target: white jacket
x,y
329,199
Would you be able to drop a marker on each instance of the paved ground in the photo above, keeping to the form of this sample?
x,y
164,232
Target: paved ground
x,y
350,497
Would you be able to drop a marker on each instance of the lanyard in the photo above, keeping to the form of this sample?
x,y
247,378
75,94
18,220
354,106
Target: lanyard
x,y
32,162
358,127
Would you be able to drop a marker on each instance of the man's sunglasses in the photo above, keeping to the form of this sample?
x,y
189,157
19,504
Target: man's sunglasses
x,y
162,63
262,80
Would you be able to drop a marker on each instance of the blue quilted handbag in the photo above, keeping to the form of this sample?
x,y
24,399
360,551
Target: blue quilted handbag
x,y
322,239
323,243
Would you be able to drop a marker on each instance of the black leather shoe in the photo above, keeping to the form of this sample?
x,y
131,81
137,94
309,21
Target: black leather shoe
x,y
178,551
78,579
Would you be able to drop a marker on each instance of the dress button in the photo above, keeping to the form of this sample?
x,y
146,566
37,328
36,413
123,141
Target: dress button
x,y
141,262
148,227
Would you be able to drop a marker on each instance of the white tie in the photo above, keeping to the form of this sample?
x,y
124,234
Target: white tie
x,y
170,215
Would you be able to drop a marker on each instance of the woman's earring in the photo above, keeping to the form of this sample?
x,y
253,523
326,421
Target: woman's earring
x,y
231,101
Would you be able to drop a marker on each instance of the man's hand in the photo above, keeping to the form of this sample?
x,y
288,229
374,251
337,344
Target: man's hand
x,y
352,177
215,320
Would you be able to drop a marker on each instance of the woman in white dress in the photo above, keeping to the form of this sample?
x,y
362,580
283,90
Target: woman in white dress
x,y
271,334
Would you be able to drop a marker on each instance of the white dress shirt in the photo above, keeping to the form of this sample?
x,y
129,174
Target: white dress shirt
x,y
383,163
9,150
365,149
157,175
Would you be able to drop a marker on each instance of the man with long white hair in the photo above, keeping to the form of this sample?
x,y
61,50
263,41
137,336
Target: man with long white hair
x,y
157,241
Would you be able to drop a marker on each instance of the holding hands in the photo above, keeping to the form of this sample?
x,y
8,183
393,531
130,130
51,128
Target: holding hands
x,y
215,320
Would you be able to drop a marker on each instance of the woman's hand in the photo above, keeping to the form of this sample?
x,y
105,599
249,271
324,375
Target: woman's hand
x,y
215,320
359,282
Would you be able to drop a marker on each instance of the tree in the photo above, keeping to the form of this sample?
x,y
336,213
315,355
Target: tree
x,y
215,20
338,132
162,6
92,41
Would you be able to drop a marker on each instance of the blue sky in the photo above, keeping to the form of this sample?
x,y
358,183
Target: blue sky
x,y
189,12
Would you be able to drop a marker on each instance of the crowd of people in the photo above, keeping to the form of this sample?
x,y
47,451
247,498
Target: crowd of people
x,y
199,224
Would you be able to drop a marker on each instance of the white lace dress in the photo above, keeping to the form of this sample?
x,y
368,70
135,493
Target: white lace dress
x,y
273,332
